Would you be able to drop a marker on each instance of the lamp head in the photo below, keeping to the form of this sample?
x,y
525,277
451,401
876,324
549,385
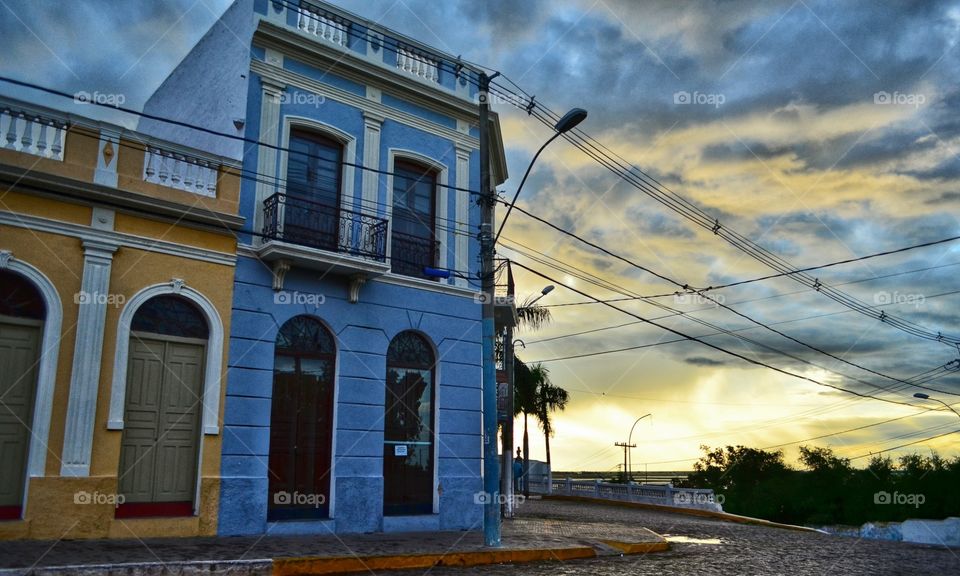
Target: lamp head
x,y
921,396
547,289
570,120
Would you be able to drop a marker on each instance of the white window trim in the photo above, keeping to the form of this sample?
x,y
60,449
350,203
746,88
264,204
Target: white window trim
x,y
442,194
47,368
214,356
349,143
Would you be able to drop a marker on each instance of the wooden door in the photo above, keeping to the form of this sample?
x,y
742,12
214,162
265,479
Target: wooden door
x,y
158,458
19,356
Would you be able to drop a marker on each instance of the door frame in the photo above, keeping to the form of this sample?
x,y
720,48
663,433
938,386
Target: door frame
x,y
46,369
204,346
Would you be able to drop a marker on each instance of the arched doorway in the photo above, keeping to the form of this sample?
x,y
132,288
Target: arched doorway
x,y
301,421
163,405
22,314
408,426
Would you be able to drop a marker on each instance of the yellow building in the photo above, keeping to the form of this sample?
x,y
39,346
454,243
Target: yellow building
x,y
117,257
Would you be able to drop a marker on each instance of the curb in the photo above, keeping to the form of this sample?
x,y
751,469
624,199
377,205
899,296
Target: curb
x,y
688,511
342,564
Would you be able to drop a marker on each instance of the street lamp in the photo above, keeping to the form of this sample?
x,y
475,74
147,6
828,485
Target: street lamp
x,y
546,290
923,396
563,125
629,441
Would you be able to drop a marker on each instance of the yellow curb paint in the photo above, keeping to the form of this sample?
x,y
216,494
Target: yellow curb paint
x,y
342,564
638,547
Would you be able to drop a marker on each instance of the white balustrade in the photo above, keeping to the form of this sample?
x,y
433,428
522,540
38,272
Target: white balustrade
x,y
32,134
323,25
181,172
418,64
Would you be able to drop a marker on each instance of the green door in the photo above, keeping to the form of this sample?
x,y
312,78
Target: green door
x,y
19,355
158,458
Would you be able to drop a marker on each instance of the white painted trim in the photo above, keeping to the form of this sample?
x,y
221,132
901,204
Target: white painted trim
x,y
441,194
362,103
267,155
372,129
347,140
87,356
86,233
462,215
214,357
47,369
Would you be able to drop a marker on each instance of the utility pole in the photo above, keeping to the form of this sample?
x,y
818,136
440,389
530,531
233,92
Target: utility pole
x,y
488,197
625,447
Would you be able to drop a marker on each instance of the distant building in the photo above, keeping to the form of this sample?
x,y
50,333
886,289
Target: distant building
x,y
117,256
353,394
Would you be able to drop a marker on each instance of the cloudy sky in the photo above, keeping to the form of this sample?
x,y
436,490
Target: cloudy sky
x,y
821,131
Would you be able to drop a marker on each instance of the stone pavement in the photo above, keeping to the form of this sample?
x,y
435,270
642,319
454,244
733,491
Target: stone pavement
x,y
525,539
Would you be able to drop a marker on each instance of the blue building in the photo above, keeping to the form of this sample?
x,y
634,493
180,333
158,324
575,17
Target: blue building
x,y
353,392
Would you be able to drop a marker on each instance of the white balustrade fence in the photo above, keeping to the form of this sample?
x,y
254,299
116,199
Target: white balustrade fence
x,y
663,494
312,21
180,172
418,64
32,134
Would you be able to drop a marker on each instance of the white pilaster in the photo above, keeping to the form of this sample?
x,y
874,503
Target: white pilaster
x,y
372,124
462,211
267,156
85,375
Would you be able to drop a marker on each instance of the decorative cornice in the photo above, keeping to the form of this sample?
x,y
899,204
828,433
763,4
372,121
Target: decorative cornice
x,y
362,103
107,238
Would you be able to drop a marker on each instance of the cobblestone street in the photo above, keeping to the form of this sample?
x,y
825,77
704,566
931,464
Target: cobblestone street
x,y
707,546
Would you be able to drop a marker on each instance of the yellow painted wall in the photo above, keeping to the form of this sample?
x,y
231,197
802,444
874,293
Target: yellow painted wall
x,y
52,512
79,156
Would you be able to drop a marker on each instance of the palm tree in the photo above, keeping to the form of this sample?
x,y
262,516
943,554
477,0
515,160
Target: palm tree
x,y
549,399
532,316
524,402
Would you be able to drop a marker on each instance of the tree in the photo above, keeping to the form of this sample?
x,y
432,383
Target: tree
x,y
532,316
549,399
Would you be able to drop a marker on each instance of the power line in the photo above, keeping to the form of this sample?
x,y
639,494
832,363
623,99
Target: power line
x,y
650,186
716,347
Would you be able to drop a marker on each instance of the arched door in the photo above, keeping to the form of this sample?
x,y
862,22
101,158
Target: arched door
x,y
408,427
21,323
163,405
301,421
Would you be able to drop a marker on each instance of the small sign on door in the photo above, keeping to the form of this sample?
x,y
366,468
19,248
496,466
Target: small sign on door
x,y
400,450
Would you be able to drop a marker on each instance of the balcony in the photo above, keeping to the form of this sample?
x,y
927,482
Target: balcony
x,y
309,234
411,254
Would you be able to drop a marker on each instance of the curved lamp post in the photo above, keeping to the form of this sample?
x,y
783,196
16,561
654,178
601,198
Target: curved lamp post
x,y
923,396
563,125
629,441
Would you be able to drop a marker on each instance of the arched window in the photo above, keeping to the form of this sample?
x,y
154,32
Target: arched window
x,y
21,325
312,204
160,444
414,243
301,421
408,426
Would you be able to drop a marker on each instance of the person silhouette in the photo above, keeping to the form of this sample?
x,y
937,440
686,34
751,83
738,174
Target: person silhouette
x,y
517,470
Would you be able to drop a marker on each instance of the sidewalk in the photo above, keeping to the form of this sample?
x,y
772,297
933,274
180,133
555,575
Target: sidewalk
x,y
524,540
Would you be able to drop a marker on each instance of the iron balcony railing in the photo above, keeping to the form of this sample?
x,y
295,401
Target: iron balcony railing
x,y
409,255
306,222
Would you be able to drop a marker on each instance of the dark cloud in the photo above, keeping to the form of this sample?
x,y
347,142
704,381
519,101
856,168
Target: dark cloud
x,y
704,361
